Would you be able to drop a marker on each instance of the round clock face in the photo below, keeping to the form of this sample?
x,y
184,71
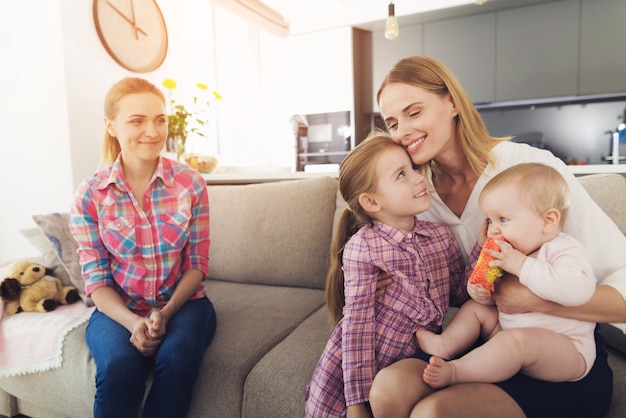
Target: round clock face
x,y
133,32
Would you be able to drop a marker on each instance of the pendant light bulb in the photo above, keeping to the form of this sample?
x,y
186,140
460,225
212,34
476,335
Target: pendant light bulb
x,y
391,26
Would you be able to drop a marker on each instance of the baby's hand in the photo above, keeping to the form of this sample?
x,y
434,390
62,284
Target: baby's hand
x,y
508,258
478,292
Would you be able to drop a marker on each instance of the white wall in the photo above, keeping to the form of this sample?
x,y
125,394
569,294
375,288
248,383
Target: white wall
x,y
322,71
35,169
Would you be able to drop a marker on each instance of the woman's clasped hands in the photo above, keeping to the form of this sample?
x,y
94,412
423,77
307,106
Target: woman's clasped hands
x,y
148,333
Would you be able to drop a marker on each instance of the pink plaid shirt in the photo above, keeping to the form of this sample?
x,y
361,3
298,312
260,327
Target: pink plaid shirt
x,y
142,253
428,274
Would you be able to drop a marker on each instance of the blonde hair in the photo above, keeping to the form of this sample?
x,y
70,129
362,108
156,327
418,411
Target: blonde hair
x,y
130,85
542,187
431,75
357,175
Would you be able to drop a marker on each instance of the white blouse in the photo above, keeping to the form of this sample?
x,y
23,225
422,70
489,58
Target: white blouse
x,y
585,221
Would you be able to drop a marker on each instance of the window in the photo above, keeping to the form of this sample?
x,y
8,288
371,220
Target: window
x,y
250,71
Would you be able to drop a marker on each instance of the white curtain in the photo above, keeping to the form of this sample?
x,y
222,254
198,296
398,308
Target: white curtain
x,y
259,13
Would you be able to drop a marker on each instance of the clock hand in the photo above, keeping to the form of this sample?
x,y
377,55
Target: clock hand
x,y
120,13
126,18
132,13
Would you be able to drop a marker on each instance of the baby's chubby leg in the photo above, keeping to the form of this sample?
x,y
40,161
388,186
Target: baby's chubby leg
x,y
471,321
536,352
435,344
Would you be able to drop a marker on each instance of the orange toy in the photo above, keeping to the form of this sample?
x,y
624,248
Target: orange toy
x,y
482,273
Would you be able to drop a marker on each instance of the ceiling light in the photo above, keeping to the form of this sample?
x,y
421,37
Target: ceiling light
x,y
391,26
480,2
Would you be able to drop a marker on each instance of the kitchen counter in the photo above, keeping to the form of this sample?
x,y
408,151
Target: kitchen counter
x,y
248,177
256,176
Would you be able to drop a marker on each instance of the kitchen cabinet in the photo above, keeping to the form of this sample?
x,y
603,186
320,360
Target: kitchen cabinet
x,y
537,51
554,49
467,46
603,46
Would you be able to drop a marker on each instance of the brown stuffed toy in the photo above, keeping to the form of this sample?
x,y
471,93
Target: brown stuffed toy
x,y
29,287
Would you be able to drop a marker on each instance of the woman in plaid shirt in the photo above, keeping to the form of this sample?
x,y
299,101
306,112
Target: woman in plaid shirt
x,y
142,227
379,232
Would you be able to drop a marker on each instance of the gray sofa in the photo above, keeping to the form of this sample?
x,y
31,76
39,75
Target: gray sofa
x,y
269,255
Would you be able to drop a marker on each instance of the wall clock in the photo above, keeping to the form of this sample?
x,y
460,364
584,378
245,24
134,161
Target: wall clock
x,y
133,32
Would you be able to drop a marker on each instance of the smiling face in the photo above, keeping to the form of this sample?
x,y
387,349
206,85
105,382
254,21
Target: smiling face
x,y
140,126
422,121
401,191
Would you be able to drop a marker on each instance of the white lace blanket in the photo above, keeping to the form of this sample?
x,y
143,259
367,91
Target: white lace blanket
x,y
32,342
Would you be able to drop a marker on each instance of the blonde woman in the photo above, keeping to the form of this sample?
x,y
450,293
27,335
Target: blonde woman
x,y
427,111
142,227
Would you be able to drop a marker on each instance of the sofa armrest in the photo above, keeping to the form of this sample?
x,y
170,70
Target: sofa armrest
x,y
609,192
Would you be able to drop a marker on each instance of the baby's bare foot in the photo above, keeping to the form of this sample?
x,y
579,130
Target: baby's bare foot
x,y
432,343
439,373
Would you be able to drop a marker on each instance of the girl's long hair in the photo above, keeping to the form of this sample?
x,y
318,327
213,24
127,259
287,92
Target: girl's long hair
x,y
431,75
130,85
357,175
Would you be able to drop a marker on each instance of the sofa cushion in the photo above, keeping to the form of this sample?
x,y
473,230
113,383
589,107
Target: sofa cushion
x,y
63,257
251,320
276,385
257,229
37,238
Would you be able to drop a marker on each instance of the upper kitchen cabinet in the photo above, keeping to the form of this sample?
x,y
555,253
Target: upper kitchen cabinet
x,y
466,45
537,51
386,53
603,46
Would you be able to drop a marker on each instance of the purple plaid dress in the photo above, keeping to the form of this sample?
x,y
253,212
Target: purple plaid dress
x,y
428,274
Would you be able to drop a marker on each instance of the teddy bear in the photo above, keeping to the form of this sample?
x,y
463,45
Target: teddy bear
x,y
29,287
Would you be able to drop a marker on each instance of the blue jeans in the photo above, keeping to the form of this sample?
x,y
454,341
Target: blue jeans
x,y
121,371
